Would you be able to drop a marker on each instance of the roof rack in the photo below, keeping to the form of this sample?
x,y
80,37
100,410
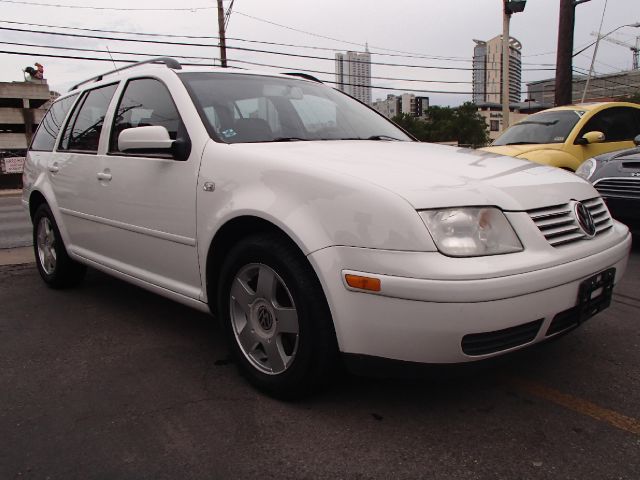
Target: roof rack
x,y
306,76
168,61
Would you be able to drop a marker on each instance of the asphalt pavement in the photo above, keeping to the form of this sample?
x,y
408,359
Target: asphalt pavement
x,y
108,381
15,225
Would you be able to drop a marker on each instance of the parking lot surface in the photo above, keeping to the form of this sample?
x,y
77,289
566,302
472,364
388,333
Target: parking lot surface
x,y
109,381
15,226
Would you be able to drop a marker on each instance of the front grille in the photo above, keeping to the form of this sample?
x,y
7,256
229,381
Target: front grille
x,y
628,187
492,342
559,225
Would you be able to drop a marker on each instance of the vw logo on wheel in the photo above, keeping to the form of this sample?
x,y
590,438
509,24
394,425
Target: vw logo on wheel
x,y
265,319
585,220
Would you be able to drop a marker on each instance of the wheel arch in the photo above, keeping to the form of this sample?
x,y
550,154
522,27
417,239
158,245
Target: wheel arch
x,y
227,236
35,200
44,195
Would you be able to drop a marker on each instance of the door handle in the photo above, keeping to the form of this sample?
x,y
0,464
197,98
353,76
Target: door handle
x,y
104,176
53,168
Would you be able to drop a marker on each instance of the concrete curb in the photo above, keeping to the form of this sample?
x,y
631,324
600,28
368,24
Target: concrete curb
x,y
17,256
10,193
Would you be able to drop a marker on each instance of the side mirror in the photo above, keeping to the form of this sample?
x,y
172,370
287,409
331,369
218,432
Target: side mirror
x,y
151,138
591,137
636,141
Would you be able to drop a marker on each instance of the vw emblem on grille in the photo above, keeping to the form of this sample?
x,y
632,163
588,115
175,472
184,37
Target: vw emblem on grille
x,y
265,319
585,220
635,174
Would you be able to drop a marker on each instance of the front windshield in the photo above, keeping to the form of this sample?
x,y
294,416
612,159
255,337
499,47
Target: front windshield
x,y
543,127
241,108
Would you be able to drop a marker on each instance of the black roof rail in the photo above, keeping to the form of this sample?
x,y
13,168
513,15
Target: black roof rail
x,y
168,61
306,76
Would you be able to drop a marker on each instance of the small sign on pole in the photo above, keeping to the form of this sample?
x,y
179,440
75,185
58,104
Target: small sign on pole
x,y
13,165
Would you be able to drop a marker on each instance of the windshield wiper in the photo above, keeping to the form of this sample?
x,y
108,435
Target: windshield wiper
x,y
533,122
383,137
372,137
289,139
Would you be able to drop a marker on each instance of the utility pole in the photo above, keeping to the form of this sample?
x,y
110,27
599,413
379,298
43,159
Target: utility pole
x,y
223,43
564,58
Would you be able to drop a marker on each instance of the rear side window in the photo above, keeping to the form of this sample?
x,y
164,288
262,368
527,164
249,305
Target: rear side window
x,y
45,138
83,129
145,102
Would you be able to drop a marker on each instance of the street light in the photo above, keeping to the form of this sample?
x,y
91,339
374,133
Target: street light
x,y
514,6
633,25
510,7
595,52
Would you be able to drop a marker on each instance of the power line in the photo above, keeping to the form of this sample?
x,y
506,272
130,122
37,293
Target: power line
x,y
193,9
264,42
270,52
188,57
410,54
246,62
88,7
75,57
210,37
373,77
322,36
615,69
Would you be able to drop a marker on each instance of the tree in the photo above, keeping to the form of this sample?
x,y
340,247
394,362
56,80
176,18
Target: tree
x,y
444,124
634,98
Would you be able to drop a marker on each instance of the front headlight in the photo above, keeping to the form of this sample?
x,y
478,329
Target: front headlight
x,y
471,232
586,168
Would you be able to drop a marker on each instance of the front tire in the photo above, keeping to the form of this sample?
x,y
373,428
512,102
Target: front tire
x,y
276,317
55,266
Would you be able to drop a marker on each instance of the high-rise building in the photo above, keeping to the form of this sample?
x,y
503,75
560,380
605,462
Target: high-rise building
x,y
406,103
353,74
487,70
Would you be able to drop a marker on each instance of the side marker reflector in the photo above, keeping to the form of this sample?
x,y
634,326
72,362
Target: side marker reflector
x,y
363,283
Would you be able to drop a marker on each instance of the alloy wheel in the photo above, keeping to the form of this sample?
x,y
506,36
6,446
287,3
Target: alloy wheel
x,y
264,318
46,243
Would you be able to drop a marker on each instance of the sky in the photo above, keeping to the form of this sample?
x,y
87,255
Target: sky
x,y
426,33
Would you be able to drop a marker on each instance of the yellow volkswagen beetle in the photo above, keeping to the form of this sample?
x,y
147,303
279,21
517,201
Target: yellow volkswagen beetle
x,y
566,136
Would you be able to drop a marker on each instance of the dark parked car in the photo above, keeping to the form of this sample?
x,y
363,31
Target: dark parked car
x,y
616,176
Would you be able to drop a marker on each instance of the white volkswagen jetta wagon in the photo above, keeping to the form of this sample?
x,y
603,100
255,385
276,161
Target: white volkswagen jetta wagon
x,y
311,226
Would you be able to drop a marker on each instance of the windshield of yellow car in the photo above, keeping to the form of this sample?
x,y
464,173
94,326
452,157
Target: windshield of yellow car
x,y
543,127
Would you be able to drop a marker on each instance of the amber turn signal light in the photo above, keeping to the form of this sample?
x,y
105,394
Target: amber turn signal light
x,y
363,283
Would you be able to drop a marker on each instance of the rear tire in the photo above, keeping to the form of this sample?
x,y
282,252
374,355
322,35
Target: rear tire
x,y
276,317
55,266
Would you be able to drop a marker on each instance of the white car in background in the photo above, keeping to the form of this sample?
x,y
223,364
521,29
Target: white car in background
x,y
311,226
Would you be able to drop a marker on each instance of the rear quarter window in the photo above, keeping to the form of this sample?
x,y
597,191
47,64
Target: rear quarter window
x,y
45,137
82,132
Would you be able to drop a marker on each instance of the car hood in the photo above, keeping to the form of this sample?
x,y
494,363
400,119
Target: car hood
x,y
522,150
628,154
621,164
432,176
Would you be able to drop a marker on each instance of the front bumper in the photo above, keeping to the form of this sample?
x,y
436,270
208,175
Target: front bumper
x,y
421,319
